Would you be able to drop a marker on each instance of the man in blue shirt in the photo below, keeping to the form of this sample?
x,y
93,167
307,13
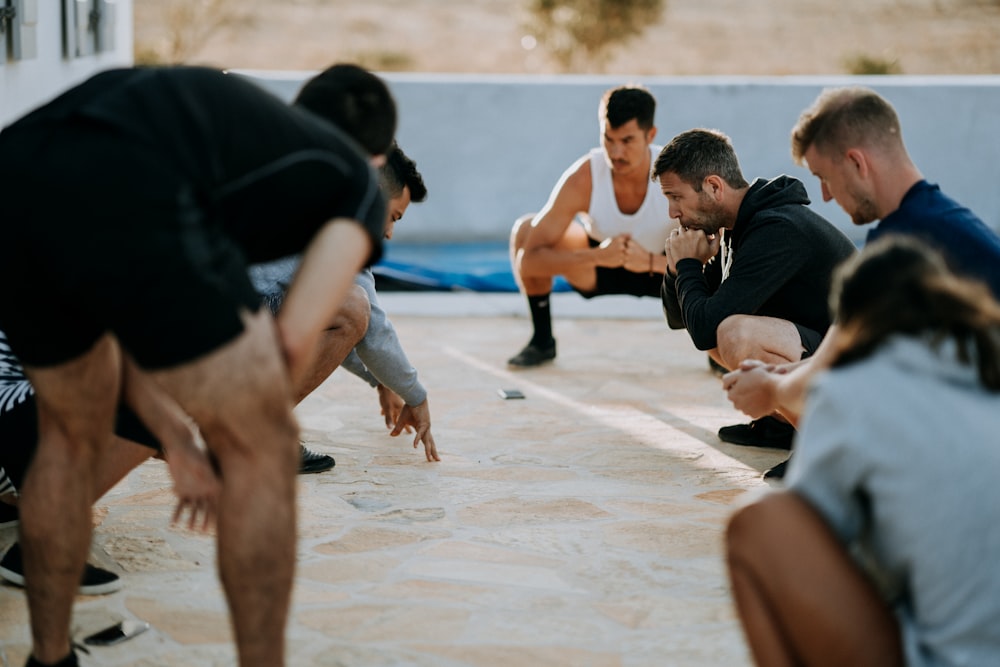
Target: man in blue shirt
x,y
851,139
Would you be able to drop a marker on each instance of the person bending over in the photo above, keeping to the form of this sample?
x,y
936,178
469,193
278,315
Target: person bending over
x,y
361,337
135,201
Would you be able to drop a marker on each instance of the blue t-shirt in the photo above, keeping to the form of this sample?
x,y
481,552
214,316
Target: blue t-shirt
x,y
969,246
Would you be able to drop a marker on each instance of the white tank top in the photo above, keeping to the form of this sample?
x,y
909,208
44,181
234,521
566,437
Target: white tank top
x,y
649,225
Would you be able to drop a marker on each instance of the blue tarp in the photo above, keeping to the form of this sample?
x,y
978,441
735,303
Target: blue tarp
x,y
476,267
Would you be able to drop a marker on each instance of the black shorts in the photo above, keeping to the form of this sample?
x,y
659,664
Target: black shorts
x,y
623,281
810,340
19,436
103,235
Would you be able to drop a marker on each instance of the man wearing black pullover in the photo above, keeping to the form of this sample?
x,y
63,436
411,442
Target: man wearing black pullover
x,y
749,269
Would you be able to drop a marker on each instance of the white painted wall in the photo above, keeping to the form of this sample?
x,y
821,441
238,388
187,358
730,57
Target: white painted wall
x,y
26,84
492,147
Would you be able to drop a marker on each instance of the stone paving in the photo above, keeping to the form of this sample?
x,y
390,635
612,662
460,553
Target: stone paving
x,y
580,526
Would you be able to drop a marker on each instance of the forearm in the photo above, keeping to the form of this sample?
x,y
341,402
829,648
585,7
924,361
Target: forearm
x,y
381,351
791,388
389,365
353,365
329,265
700,310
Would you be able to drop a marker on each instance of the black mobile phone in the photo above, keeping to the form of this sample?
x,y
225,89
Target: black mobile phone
x,y
116,633
510,393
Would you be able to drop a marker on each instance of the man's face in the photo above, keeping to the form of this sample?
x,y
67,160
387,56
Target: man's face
x,y
692,209
395,208
839,180
626,148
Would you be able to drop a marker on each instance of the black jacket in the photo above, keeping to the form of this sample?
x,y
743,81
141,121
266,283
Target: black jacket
x,y
783,259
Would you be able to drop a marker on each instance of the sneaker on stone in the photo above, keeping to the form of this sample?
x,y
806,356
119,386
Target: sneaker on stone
x,y
763,432
778,471
534,355
95,581
311,461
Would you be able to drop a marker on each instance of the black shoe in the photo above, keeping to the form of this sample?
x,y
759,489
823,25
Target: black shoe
x,y
8,515
778,471
311,462
95,581
69,661
717,369
533,355
763,432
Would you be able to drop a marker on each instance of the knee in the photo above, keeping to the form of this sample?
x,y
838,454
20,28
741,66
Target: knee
x,y
519,232
750,530
732,337
354,314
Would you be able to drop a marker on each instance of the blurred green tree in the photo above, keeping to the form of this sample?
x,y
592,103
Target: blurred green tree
x,y
582,33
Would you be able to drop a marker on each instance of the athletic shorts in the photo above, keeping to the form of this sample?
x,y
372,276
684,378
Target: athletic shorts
x,y
102,235
19,436
810,340
623,281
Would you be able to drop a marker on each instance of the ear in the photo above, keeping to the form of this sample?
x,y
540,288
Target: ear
x,y
650,135
714,186
858,162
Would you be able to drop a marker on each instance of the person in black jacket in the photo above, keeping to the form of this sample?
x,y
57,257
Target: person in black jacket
x,y
749,269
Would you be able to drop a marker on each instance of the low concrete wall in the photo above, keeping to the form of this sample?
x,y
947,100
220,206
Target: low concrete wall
x,y
492,147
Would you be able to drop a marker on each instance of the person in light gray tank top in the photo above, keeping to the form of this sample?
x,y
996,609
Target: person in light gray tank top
x,y
604,226
883,550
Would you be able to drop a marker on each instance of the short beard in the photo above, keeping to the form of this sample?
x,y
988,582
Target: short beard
x,y
865,211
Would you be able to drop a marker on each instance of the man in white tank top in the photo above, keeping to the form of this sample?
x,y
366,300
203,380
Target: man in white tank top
x,y
604,226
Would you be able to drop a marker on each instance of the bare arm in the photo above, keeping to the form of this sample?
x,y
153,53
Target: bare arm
x,y
545,251
329,264
757,389
196,484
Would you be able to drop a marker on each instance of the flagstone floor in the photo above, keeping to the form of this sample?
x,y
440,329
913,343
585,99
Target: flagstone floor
x,y
579,526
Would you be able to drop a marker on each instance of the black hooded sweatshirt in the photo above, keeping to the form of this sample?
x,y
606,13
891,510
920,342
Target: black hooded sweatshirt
x,y
783,257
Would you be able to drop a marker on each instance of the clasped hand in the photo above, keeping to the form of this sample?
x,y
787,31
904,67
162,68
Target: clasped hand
x,y
684,243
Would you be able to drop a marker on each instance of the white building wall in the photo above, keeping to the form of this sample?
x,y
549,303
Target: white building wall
x,y
29,82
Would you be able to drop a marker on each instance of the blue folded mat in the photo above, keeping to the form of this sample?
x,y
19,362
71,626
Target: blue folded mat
x,y
445,267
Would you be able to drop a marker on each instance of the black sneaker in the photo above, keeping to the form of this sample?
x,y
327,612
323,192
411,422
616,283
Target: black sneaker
x,y
69,661
533,355
311,462
95,581
763,432
8,515
778,471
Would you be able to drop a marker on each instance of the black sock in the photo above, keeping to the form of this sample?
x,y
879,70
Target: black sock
x,y
541,319
68,661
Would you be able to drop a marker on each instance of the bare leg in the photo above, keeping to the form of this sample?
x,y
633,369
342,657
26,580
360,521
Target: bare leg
x,y
801,599
538,284
337,341
240,398
76,408
122,457
532,286
767,339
